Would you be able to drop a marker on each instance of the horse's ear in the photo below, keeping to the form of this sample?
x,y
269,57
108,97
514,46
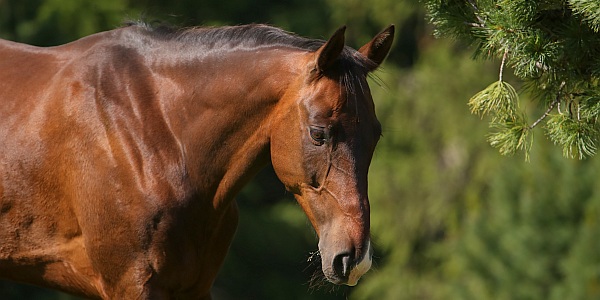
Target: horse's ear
x,y
377,49
331,50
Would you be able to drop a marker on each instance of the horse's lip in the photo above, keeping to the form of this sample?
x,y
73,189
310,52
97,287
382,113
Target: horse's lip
x,y
335,279
341,281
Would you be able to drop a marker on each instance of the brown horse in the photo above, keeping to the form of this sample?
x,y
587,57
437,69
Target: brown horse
x,y
121,153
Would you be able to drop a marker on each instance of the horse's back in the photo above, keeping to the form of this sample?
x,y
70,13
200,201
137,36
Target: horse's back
x,y
61,145
37,223
27,73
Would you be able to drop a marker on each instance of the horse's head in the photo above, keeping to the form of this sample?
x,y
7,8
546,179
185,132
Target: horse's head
x,y
322,147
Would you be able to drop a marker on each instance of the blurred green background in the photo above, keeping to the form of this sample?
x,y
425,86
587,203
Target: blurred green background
x,y
451,218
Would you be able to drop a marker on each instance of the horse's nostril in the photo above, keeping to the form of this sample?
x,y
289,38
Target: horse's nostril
x,y
342,264
346,264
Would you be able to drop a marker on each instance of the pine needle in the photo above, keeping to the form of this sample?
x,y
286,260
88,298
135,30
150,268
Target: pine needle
x,y
511,135
577,137
499,98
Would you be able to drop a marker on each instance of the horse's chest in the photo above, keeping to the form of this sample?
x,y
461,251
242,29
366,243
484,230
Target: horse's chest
x,y
189,244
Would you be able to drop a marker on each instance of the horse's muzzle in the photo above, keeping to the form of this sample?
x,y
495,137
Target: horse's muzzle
x,y
346,269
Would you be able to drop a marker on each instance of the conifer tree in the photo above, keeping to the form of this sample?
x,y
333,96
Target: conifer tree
x,y
553,49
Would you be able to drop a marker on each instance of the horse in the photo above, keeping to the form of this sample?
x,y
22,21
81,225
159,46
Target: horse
x,y
121,153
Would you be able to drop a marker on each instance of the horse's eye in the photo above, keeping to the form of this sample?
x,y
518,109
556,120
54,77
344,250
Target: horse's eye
x,y
318,136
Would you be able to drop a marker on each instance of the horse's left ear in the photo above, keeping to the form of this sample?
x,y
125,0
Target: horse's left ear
x,y
331,50
377,49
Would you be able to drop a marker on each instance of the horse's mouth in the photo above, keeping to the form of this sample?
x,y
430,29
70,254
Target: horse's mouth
x,y
360,269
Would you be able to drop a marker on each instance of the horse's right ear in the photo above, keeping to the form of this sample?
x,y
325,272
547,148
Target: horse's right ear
x,y
331,50
377,49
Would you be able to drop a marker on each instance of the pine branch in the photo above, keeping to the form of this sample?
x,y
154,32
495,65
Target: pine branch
x,y
502,64
577,137
498,99
590,10
476,13
512,135
549,42
550,108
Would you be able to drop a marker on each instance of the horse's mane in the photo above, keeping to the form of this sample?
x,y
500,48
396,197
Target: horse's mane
x,y
248,37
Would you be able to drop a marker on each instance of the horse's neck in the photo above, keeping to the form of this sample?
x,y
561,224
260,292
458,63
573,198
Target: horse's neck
x,y
223,119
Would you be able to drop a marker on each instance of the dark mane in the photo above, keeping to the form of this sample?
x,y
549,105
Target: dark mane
x,y
247,37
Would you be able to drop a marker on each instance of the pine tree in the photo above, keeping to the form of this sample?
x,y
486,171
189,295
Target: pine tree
x,y
553,49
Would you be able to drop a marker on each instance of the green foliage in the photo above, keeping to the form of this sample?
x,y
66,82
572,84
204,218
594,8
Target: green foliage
x,y
552,46
56,21
501,101
525,238
452,220
578,137
589,10
498,99
511,135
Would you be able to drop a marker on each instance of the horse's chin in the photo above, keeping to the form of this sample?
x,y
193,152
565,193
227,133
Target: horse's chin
x,y
360,269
